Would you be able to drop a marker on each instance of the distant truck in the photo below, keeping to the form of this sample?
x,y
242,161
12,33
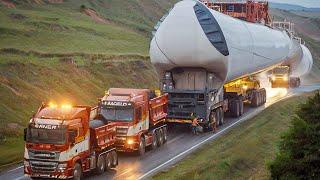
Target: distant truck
x,y
62,143
281,78
139,116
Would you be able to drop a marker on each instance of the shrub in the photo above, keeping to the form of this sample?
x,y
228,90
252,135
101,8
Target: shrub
x,y
299,155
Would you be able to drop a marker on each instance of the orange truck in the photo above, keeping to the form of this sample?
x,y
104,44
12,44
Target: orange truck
x,y
139,115
62,143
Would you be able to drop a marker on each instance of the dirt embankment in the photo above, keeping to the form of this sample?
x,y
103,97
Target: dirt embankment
x,y
94,15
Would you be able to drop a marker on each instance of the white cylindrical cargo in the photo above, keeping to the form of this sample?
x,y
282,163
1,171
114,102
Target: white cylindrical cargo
x,y
194,36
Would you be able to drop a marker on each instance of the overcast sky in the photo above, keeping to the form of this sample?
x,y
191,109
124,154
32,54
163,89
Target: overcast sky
x,y
306,3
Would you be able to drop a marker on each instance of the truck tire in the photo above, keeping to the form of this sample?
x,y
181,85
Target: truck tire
x,y
142,146
114,159
165,134
101,164
77,172
160,137
109,161
154,144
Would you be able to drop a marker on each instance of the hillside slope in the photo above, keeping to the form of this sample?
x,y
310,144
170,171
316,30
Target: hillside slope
x,y
69,51
307,26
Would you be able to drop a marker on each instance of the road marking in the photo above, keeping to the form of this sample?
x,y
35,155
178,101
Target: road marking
x,y
248,116
15,169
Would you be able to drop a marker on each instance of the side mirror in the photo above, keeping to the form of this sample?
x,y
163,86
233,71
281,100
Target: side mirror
x,y
72,137
25,134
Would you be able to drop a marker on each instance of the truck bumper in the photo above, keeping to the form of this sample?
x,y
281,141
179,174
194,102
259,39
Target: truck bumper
x,y
65,174
181,121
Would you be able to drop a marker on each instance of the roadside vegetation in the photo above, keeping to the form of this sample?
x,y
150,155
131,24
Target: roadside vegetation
x,y
299,155
242,153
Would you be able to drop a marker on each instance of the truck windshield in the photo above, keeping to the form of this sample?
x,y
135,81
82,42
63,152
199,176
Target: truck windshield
x,y
117,113
46,136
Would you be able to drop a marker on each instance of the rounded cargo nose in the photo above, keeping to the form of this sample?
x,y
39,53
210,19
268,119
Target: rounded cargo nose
x,y
190,37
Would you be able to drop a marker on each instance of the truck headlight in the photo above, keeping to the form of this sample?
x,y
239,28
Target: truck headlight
x,y
273,78
285,78
130,141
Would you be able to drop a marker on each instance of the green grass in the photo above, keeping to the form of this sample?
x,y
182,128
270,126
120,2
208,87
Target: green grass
x,y
243,152
11,151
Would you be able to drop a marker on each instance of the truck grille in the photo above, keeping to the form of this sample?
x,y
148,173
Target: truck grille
x,y
43,167
121,135
45,155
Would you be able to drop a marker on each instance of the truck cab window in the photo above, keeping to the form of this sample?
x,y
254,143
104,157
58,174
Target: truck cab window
x,y
138,113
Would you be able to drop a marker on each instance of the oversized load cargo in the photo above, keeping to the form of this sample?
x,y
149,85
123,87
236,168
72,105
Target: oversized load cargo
x,y
208,60
193,35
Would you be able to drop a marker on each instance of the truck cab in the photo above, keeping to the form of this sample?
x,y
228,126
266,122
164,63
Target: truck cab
x,y
61,144
280,78
139,116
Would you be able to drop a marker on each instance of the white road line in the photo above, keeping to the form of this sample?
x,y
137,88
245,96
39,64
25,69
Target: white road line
x,y
248,116
15,169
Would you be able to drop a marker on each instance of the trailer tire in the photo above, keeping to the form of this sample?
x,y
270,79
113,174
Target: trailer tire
x,y
235,108
142,146
108,160
114,156
220,116
77,172
254,99
101,164
241,106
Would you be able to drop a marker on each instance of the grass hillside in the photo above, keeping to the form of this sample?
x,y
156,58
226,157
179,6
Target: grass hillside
x,y
69,51
307,26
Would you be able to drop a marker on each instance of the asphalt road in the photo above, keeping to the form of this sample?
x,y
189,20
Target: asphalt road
x,y
180,143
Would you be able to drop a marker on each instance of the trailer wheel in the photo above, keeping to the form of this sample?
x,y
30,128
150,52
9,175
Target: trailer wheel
x,y
101,164
165,134
77,172
160,137
254,99
241,106
109,160
142,146
235,108
114,156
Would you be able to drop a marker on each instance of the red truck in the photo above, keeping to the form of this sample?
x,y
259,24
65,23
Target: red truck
x,y
139,115
62,143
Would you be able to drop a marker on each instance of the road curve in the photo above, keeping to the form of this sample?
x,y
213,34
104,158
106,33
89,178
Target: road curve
x,y
180,143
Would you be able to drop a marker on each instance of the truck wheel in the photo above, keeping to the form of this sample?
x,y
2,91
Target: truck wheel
x,y
77,172
154,144
109,161
142,146
101,164
160,137
165,134
114,156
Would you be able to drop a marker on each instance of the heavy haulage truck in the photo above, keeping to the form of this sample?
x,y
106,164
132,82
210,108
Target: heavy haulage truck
x,y
62,143
208,55
139,116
